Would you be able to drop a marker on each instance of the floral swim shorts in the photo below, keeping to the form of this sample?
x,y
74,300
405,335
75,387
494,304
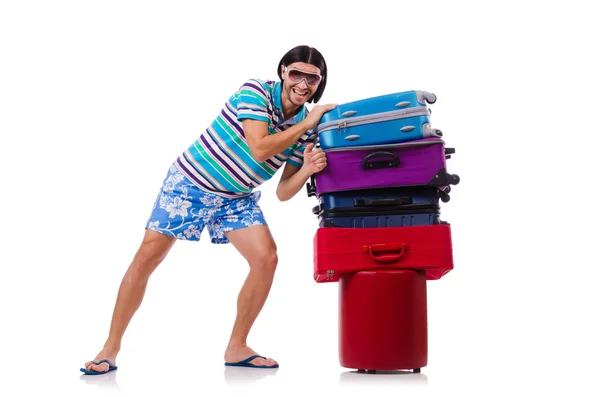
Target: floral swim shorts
x,y
182,210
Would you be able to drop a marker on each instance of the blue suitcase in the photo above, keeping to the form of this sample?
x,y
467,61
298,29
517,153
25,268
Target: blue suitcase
x,y
381,120
385,207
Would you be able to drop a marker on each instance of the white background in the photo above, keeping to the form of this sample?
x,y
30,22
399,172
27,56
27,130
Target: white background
x,y
98,98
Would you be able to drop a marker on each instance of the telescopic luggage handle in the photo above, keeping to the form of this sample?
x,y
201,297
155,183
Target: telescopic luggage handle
x,y
387,160
311,189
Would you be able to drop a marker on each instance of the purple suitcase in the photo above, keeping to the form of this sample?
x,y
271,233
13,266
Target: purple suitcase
x,y
420,162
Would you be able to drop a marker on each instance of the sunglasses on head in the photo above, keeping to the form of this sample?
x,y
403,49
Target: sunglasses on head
x,y
297,76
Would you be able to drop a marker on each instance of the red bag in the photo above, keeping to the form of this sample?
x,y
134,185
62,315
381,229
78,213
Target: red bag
x,y
347,250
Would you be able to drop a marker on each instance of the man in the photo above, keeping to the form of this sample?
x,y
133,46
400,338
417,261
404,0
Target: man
x,y
263,126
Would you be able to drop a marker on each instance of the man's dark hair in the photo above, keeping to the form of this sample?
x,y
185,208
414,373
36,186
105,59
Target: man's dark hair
x,y
306,54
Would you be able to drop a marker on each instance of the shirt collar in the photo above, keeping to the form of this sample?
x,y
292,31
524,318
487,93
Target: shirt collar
x,y
277,96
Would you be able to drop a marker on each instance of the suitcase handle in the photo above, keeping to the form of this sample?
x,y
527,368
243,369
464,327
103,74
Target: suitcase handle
x,y
385,202
376,248
389,160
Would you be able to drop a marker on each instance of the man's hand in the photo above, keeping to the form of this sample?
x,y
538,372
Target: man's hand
x,y
317,112
314,160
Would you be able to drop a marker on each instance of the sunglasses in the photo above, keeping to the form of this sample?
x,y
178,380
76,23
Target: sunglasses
x,y
298,75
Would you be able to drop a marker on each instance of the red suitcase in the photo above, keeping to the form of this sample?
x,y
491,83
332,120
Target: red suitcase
x,y
339,251
383,320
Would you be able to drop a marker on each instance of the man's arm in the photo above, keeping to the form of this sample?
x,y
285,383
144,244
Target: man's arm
x,y
294,178
264,146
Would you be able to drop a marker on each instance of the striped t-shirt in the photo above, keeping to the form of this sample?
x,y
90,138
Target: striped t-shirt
x,y
220,160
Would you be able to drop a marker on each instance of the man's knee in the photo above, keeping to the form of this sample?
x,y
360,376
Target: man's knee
x,y
265,260
147,259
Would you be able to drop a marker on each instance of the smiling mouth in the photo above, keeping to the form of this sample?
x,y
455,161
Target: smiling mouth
x,y
300,93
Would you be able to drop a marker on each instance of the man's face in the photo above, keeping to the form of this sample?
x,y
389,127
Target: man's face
x,y
300,81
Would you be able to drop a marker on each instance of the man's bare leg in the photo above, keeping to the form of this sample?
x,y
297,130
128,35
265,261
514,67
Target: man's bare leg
x,y
154,248
256,245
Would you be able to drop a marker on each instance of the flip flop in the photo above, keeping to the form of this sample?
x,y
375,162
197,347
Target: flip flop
x,y
247,363
111,367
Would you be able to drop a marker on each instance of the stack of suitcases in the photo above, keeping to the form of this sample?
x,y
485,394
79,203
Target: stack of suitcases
x,y
380,234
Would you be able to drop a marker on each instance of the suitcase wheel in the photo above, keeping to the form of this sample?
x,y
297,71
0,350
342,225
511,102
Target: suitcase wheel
x,y
444,196
453,179
417,370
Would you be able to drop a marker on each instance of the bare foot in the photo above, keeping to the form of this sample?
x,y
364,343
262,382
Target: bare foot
x,y
235,354
103,355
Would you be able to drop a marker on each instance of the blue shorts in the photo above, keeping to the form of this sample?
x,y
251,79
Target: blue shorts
x,y
182,210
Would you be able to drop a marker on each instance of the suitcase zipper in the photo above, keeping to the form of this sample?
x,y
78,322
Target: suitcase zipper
x,y
373,118
329,213
408,209
386,146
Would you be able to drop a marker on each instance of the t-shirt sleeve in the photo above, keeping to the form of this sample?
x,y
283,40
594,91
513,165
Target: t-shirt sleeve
x,y
252,102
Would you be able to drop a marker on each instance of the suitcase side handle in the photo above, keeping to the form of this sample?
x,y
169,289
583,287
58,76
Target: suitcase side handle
x,y
388,160
375,249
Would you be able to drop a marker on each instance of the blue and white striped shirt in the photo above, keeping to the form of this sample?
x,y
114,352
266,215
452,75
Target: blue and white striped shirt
x,y
220,160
